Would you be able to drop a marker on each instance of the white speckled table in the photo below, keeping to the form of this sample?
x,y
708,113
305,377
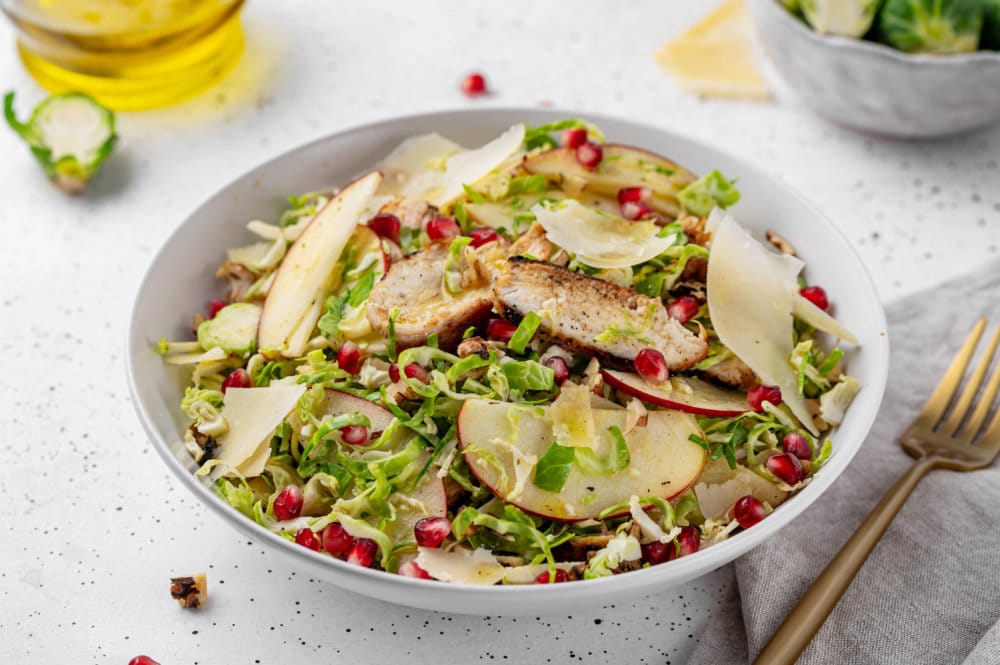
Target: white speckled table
x,y
93,525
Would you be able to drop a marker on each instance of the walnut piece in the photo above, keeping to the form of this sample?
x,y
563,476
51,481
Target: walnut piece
x,y
190,592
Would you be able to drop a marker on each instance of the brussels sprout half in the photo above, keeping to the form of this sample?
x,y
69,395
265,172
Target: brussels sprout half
x,y
932,26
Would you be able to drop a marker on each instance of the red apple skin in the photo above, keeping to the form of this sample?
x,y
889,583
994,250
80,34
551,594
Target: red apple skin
x,y
338,402
666,403
533,513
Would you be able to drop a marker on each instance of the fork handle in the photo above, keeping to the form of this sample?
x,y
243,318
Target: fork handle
x,y
794,635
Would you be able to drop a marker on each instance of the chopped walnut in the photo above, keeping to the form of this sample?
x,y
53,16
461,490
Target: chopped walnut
x,y
239,277
475,345
780,243
694,229
190,592
593,377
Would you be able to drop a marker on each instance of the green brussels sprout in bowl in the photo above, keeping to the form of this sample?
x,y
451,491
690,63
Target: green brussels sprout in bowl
x,y
905,69
932,26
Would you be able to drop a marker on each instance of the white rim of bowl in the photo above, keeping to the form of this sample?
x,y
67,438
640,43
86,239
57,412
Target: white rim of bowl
x,y
638,580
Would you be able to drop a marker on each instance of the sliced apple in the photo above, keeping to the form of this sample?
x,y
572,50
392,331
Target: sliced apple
x,y
500,214
428,499
684,393
338,403
308,273
621,167
663,461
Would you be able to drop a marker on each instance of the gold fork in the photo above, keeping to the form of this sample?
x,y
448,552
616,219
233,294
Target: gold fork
x,y
958,442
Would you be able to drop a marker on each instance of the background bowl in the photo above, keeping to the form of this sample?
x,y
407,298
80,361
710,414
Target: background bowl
x,y
875,88
181,279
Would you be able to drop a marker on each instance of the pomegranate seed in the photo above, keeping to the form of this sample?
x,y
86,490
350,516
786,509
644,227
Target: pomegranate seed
x,y
443,228
354,435
633,210
238,378
349,357
797,444
634,195
817,296
213,308
394,372
336,540
656,552
431,531
560,576
362,552
474,85
589,154
561,369
786,467
500,329
688,542
748,511
651,366
306,538
574,138
288,505
142,660
482,236
684,308
416,372
760,394
412,569
386,226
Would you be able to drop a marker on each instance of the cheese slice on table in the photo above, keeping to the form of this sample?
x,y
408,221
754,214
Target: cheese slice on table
x,y
716,57
253,414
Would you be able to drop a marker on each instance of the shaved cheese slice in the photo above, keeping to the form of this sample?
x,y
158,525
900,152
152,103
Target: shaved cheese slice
x,y
215,353
253,414
249,255
805,310
460,565
750,301
716,55
465,168
416,166
597,238
720,487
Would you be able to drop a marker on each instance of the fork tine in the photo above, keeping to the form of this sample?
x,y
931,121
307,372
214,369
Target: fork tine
x,y
991,437
958,412
983,408
939,399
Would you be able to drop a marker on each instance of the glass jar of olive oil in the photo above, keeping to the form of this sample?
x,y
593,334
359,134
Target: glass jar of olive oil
x,y
128,54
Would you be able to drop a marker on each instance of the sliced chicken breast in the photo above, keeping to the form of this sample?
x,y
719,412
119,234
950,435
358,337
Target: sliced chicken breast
x,y
411,213
589,315
534,242
733,372
414,285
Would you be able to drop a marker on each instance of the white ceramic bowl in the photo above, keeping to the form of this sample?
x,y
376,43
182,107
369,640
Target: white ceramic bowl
x,y
180,280
875,88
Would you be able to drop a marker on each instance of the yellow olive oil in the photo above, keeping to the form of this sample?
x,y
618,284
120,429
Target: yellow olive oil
x,y
128,54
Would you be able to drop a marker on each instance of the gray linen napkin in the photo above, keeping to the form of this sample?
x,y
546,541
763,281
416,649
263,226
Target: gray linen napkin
x,y
930,592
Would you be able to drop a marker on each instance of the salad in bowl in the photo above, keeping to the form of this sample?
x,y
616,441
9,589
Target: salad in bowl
x,y
546,359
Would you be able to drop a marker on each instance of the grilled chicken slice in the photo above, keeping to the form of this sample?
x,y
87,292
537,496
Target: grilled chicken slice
x,y
411,213
733,372
591,316
534,242
414,285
